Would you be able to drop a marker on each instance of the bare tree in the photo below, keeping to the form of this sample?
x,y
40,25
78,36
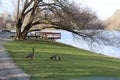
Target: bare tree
x,y
58,14
113,22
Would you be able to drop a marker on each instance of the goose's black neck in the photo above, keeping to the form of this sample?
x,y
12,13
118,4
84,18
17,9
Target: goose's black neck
x,y
33,50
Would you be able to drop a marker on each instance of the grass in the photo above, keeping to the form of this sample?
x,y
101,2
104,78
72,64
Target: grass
x,y
75,62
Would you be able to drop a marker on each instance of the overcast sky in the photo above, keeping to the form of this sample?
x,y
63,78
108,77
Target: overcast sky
x,y
6,6
103,8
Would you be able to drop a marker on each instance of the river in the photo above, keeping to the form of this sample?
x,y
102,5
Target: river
x,y
105,47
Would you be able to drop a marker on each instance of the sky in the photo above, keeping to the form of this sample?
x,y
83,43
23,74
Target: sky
x,y
103,8
6,5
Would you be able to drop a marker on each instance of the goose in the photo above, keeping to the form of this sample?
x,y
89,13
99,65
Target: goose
x,y
32,55
55,57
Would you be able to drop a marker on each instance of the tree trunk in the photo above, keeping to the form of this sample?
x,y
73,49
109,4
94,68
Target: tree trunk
x,y
18,28
24,34
21,35
18,33
25,31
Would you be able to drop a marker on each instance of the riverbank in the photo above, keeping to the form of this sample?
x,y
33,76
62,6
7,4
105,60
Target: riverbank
x,y
75,63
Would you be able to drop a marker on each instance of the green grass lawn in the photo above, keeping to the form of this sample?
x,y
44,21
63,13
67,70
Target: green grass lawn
x,y
75,63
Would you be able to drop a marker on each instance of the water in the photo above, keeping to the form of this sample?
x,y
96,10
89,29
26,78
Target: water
x,y
107,49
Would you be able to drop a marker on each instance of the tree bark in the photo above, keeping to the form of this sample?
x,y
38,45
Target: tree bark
x,y
18,33
25,31
18,28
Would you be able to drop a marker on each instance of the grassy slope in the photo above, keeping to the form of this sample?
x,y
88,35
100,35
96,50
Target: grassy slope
x,y
75,62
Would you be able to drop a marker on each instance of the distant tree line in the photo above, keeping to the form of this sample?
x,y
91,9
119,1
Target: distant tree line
x,y
113,22
6,21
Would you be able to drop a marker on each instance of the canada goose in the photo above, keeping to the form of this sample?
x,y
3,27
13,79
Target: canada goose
x,y
55,57
32,54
